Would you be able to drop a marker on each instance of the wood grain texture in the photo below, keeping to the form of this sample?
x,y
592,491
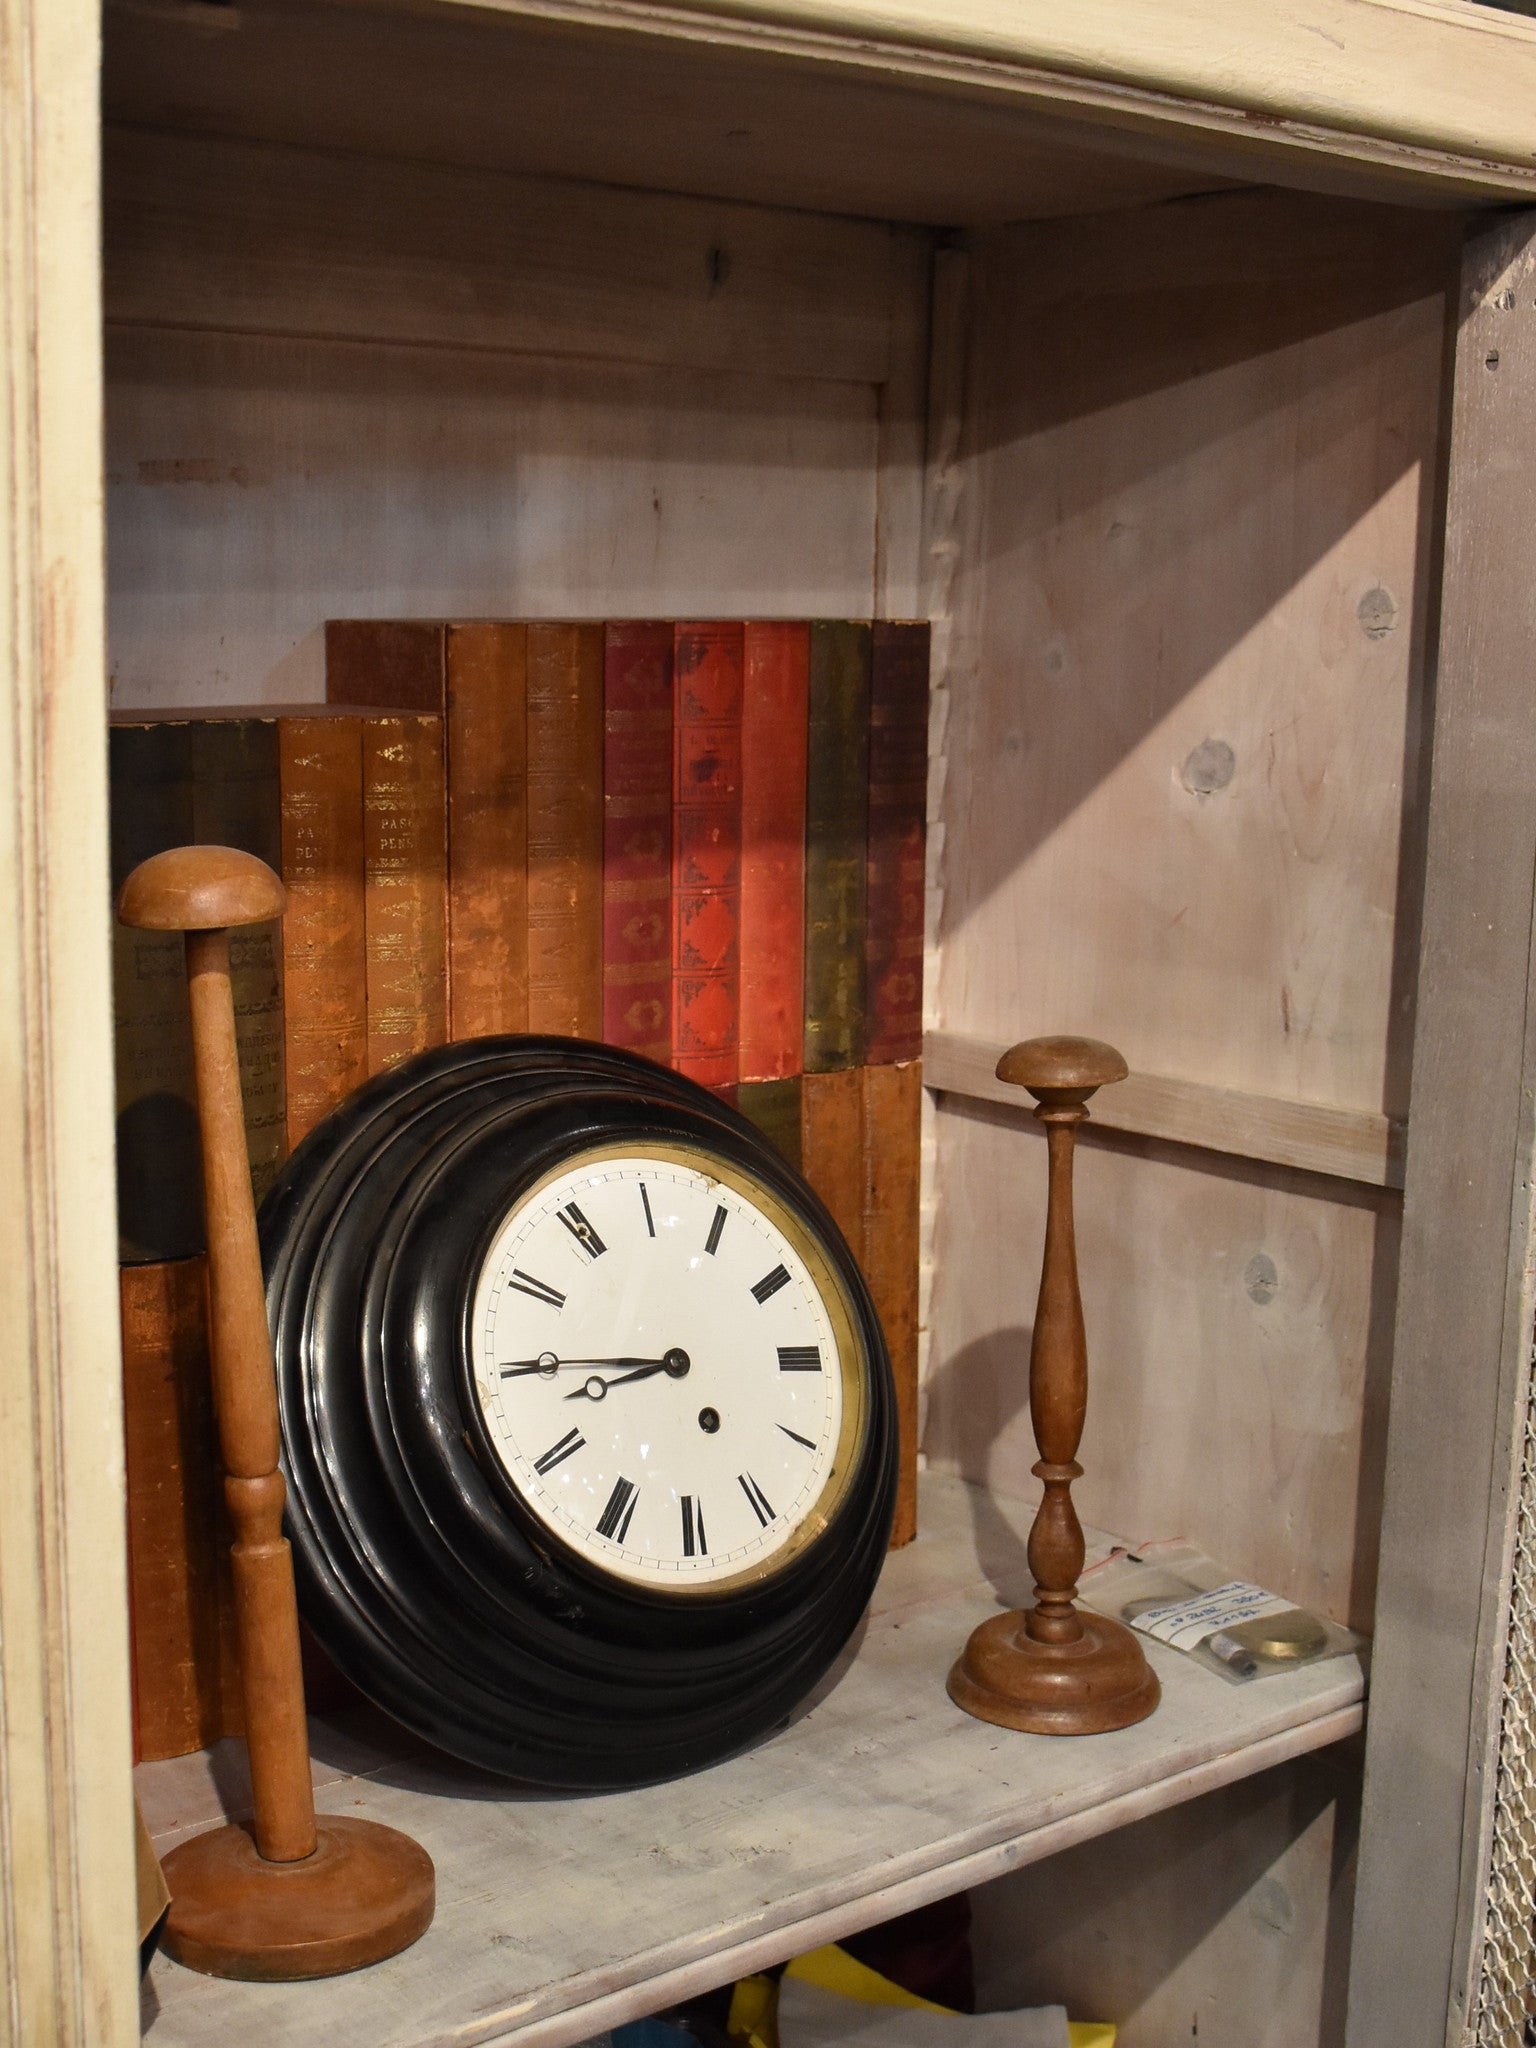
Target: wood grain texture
x,y
405,824
1349,1144
186,1686
877,1797
565,829
325,1013
68,1942
888,1248
1467,1220
955,113
1206,571
368,250
456,484
1239,1331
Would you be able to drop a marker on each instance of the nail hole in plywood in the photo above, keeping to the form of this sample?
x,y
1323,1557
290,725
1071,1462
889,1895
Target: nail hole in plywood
x,y
1261,1279
1210,767
1377,612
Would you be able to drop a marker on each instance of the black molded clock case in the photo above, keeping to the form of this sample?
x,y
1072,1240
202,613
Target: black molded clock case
x,y
418,1566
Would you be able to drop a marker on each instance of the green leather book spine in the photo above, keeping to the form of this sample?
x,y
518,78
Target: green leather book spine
x,y
836,844
159,1172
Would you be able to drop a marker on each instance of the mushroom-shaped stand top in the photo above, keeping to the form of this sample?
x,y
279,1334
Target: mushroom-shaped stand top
x,y
199,889
1058,1067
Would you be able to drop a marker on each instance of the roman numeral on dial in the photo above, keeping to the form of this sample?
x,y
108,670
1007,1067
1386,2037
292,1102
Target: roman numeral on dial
x,y
539,1289
618,1514
770,1284
712,1241
799,1358
572,1441
645,1203
694,1544
582,1231
756,1497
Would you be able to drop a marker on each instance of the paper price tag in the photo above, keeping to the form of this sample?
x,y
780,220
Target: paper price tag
x,y
1186,1623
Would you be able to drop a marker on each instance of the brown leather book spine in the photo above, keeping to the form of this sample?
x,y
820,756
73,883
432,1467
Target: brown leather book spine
x,y
898,810
836,844
388,664
325,1008
776,1108
186,1691
159,1175
706,852
832,1147
487,763
565,829
404,887
891,1147
773,749
637,836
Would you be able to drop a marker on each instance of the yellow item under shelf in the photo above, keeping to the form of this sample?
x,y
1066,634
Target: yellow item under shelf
x,y
753,2016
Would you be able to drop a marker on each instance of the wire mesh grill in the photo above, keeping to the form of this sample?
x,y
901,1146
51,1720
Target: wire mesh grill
x,y
1506,2001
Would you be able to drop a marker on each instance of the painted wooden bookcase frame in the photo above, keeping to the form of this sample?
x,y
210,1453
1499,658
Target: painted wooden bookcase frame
x,y
1037,129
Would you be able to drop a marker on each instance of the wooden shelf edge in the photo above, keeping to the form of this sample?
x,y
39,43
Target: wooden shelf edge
x,y
559,1918
942,1881
1345,1144
1434,93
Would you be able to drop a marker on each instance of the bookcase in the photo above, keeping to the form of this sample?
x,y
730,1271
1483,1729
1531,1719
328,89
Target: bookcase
x,y
1180,364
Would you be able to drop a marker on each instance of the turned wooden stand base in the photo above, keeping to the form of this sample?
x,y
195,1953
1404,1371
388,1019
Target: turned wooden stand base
x,y
1052,1669
1086,1687
290,1896
365,1892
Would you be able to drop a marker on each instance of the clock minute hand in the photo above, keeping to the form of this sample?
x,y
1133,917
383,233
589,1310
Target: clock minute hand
x,y
549,1365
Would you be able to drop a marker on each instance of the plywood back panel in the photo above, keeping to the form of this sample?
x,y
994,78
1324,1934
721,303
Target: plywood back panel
x,y
1182,814
258,486
1204,446
1239,1343
338,387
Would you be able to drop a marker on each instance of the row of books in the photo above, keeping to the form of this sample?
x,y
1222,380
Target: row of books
x,y
854,1133
703,841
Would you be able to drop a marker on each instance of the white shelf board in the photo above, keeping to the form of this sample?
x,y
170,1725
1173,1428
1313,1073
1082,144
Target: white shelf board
x,y
557,1917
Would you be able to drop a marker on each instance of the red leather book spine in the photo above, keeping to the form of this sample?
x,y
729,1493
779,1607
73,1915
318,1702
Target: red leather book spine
x,y
706,851
325,1008
565,829
773,759
898,805
637,836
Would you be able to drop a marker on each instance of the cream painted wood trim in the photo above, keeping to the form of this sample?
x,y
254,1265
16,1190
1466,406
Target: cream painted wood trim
x,y
1441,92
1348,1144
67,1914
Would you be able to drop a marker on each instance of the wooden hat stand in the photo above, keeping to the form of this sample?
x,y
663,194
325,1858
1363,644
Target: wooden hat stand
x,y
290,1896
1053,1669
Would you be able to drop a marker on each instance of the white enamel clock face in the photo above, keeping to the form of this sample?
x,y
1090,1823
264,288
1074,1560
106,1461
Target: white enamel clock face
x,y
666,1368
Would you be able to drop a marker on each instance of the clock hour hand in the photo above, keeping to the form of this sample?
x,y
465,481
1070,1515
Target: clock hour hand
x,y
675,1364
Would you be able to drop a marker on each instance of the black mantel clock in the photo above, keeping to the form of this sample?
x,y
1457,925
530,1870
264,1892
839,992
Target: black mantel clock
x,y
587,1416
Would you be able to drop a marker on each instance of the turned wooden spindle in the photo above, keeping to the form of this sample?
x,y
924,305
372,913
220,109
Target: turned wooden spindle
x,y
292,1895
1054,1668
